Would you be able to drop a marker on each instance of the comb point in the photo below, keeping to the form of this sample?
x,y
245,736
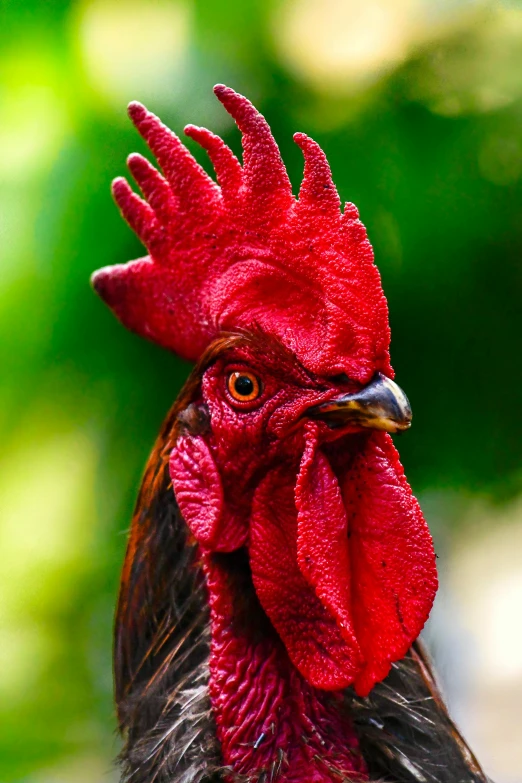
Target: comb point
x,y
119,185
136,111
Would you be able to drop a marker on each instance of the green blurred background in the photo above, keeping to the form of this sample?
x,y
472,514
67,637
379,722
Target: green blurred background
x,y
418,105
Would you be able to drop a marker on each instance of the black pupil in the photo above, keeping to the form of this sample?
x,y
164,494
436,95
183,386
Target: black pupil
x,y
244,385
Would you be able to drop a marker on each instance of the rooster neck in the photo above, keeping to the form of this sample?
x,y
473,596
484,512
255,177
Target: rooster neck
x,y
187,703
270,721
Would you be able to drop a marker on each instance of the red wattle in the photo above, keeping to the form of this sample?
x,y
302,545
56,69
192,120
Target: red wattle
x,y
322,538
348,577
327,658
394,576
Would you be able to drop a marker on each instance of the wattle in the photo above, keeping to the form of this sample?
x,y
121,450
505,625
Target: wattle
x,y
342,560
341,557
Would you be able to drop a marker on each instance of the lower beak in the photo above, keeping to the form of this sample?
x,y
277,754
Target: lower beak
x,y
381,405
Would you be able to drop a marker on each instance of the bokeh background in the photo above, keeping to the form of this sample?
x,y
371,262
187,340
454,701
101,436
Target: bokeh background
x,y
418,105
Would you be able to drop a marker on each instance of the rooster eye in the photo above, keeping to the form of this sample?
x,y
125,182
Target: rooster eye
x,y
243,386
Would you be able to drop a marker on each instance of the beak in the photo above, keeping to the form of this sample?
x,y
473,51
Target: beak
x,y
381,405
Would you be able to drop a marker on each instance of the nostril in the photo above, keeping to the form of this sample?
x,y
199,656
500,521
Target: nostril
x,y
344,383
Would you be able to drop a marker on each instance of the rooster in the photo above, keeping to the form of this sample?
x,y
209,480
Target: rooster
x,y
279,569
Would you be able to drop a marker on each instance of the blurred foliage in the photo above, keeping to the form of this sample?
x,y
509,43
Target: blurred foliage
x,y
418,106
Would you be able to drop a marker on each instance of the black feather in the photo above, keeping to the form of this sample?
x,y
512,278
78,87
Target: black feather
x,y
164,709
405,731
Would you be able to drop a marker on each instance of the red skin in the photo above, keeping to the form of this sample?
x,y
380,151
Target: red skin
x,y
248,252
342,569
341,559
265,709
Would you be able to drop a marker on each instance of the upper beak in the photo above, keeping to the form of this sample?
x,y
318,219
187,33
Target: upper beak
x,y
381,405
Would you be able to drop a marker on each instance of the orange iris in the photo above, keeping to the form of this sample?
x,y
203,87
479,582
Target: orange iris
x,y
243,386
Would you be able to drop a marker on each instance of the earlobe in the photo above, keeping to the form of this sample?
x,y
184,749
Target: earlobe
x,y
197,486
198,489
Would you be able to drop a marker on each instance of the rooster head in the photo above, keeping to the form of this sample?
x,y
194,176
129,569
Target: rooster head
x,y
283,448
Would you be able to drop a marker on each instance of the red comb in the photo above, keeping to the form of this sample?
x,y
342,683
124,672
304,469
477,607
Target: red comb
x,y
244,252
